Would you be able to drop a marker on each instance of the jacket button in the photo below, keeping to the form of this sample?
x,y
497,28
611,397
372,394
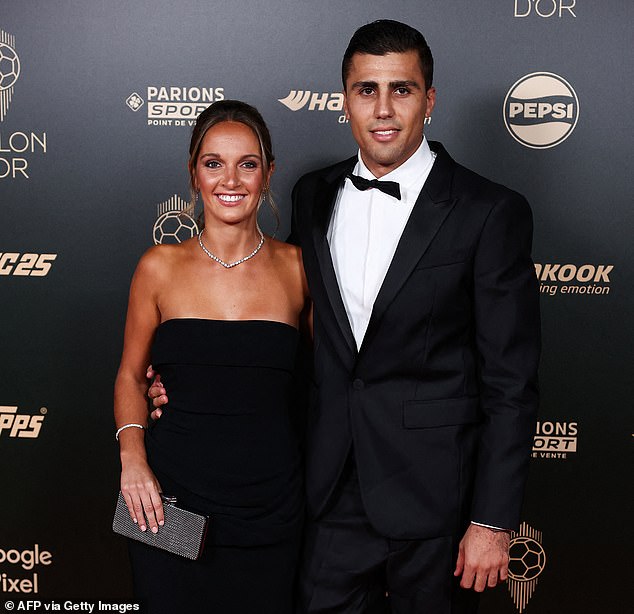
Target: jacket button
x,y
358,384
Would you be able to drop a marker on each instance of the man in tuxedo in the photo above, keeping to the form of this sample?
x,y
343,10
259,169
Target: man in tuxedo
x,y
426,332
426,345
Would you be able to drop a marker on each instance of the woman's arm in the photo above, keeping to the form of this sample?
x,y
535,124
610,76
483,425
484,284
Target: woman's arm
x,y
139,486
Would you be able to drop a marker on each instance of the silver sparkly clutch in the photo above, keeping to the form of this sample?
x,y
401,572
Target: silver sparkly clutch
x,y
183,532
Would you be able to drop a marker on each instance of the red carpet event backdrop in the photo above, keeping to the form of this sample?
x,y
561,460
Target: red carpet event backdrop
x,y
97,100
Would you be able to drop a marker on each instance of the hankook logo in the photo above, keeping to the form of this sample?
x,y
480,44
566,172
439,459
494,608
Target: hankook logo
x,y
318,101
541,110
298,99
584,279
9,70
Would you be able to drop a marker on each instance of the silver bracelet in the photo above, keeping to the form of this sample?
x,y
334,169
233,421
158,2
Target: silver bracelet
x,y
127,426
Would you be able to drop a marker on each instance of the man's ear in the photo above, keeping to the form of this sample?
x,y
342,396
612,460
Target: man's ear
x,y
345,105
430,94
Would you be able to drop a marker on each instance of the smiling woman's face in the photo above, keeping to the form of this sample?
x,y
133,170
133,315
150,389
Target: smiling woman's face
x,y
229,173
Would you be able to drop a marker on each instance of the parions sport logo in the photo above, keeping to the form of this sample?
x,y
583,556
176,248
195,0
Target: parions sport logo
x,y
18,425
174,105
541,110
555,440
9,70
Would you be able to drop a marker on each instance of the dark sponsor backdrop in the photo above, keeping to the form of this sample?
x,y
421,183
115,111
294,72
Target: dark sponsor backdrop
x,y
95,104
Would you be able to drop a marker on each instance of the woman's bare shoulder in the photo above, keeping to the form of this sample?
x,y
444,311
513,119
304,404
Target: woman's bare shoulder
x,y
159,260
290,258
290,252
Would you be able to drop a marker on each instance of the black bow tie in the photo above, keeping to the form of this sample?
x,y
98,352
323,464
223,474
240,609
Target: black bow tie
x,y
391,188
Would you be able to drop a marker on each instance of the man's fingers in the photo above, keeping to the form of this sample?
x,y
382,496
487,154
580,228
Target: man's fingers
x,y
483,555
459,562
156,414
467,578
160,400
480,581
504,573
155,390
481,578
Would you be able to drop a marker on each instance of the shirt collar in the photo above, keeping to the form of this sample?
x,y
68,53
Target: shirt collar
x,y
405,174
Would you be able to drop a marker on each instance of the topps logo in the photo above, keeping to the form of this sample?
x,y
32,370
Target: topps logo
x,y
20,425
36,265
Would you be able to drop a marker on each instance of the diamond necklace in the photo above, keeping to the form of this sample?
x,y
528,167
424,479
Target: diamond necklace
x,y
229,265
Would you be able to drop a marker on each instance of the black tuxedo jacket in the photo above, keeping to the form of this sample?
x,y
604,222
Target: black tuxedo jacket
x,y
439,403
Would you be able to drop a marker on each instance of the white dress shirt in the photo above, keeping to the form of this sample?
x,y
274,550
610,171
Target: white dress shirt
x,y
365,229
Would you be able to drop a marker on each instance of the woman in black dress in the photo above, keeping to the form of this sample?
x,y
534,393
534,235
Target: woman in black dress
x,y
218,316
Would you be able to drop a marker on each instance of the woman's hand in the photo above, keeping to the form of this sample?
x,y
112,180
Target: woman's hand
x,y
142,494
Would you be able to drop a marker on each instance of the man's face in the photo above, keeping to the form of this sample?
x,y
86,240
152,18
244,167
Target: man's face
x,y
386,102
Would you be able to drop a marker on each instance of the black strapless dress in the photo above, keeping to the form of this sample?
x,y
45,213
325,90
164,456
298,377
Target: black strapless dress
x,y
225,446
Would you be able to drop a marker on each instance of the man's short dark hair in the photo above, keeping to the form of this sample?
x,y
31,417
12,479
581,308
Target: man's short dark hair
x,y
387,36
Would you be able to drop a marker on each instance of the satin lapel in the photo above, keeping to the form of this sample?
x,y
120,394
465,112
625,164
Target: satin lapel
x,y
433,205
322,212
